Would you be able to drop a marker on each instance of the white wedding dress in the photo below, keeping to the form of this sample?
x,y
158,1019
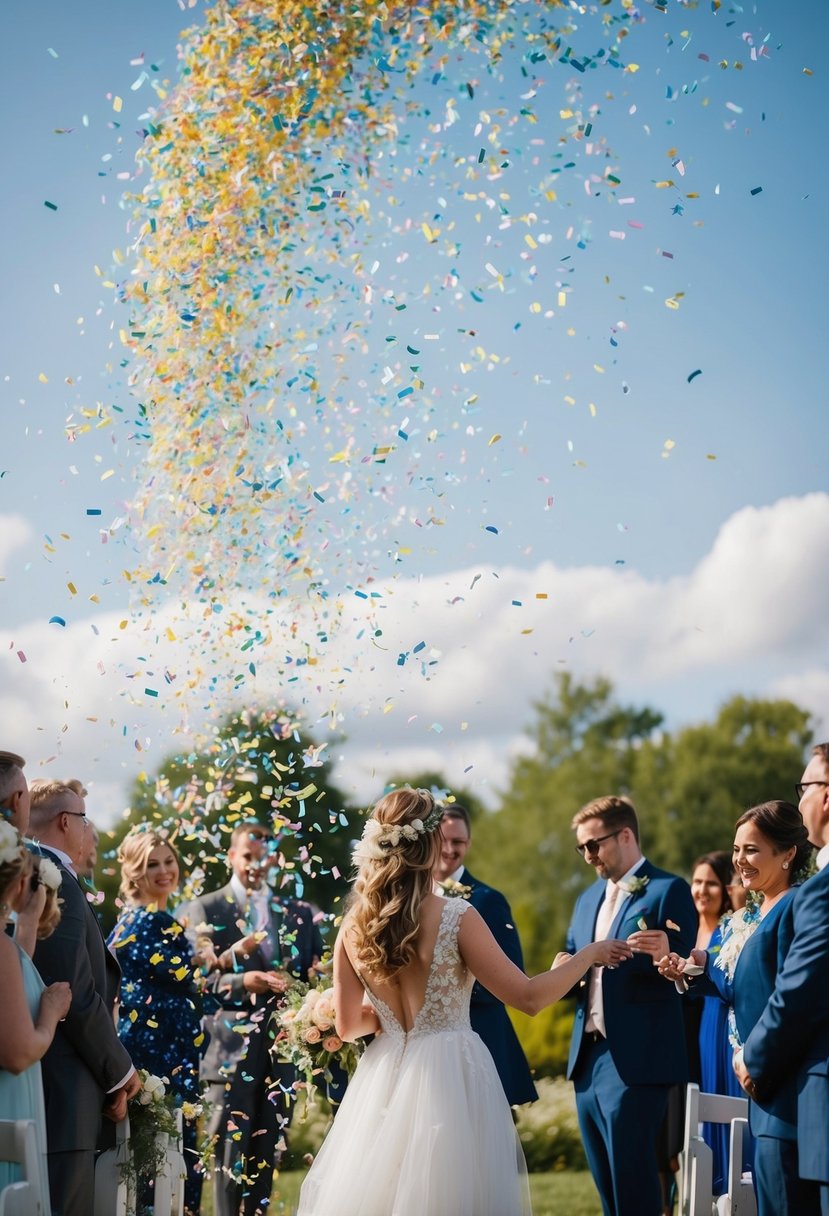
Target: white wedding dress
x,y
424,1128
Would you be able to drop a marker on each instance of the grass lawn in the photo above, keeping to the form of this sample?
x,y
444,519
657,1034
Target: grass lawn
x,y
563,1194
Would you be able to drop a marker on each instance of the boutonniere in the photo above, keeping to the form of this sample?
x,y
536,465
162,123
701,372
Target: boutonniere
x,y
454,890
634,886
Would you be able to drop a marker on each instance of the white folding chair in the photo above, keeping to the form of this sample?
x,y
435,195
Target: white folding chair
x,y
112,1196
18,1145
696,1159
168,1193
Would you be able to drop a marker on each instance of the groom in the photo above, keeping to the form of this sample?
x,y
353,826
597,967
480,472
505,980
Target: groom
x,y
628,1045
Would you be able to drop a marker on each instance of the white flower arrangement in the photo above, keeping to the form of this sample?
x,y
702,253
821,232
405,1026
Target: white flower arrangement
x,y
49,875
634,885
378,838
737,929
152,1127
152,1090
10,843
451,889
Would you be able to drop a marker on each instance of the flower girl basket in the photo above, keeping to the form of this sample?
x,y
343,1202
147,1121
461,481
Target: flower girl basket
x,y
114,1186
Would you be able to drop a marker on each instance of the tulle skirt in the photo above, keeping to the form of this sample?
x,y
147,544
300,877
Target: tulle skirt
x,y
424,1130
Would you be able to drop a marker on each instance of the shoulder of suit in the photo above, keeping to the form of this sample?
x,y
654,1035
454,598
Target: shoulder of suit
x,y
654,873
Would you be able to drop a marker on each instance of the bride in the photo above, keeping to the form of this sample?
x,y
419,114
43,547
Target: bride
x,y
424,1128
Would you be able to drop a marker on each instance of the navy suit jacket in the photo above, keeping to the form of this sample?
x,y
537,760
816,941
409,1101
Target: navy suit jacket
x,y
299,943
643,1013
86,1058
487,1014
757,968
791,1038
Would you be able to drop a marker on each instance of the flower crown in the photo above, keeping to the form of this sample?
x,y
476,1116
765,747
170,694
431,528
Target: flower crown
x,y
379,839
11,846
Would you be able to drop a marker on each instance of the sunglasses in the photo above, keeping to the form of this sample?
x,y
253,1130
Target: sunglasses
x,y
592,846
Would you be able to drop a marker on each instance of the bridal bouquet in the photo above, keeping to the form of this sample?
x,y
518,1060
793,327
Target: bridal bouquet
x,y
307,1038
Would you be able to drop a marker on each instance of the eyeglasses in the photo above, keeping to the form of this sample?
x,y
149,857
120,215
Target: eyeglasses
x,y
592,846
802,786
78,814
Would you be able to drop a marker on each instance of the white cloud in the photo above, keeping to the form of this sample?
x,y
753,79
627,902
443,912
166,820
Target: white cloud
x,y
749,618
15,532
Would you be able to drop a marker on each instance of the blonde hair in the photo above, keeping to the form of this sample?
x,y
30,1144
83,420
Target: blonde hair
x,y
11,871
133,854
48,799
389,890
51,914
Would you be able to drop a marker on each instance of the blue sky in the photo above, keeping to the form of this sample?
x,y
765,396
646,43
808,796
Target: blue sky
x,y
641,548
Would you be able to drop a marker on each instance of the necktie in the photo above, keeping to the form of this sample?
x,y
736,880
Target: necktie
x,y
607,911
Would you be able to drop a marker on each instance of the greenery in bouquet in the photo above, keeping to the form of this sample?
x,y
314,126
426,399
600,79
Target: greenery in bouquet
x,y
306,1036
152,1115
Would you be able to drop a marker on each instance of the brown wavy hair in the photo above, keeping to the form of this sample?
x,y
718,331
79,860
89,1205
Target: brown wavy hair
x,y
388,892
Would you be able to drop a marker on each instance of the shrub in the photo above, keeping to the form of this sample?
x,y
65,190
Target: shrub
x,y
549,1128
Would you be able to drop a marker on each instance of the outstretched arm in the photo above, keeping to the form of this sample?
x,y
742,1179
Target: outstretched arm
x,y
530,994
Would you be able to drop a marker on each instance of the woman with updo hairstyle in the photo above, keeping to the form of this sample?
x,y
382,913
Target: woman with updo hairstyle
x,y
425,1126
159,1020
771,856
29,1011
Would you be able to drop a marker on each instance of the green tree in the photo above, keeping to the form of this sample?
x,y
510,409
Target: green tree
x,y
259,766
584,743
692,787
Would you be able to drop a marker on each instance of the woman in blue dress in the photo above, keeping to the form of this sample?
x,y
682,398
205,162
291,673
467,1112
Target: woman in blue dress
x,y
29,1010
159,1019
711,880
771,847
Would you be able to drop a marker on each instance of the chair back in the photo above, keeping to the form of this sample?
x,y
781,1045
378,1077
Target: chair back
x,y
18,1145
696,1159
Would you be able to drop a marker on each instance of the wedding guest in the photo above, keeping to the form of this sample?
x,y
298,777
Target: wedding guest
x,y
713,877
248,1091
770,848
628,1046
86,864
30,1011
86,1066
487,1014
791,1038
159,1020
14,791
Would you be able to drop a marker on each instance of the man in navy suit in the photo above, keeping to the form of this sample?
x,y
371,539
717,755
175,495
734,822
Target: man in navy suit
x,y
487,1014
628,1045
86,1071
262,944
792,1036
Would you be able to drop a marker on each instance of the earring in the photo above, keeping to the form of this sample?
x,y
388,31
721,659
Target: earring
x,y
785,865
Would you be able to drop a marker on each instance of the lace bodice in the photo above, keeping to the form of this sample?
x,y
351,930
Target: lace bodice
x,y
446,1002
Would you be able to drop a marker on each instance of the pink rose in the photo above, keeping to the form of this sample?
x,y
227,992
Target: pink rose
x,y
332,1043
312,1035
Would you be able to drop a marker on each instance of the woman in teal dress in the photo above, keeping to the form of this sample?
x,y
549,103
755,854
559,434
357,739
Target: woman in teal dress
x,y
159,1020
29,1011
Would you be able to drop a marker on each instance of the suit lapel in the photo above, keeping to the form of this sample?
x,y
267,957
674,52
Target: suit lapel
x,y
644,871
593,897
